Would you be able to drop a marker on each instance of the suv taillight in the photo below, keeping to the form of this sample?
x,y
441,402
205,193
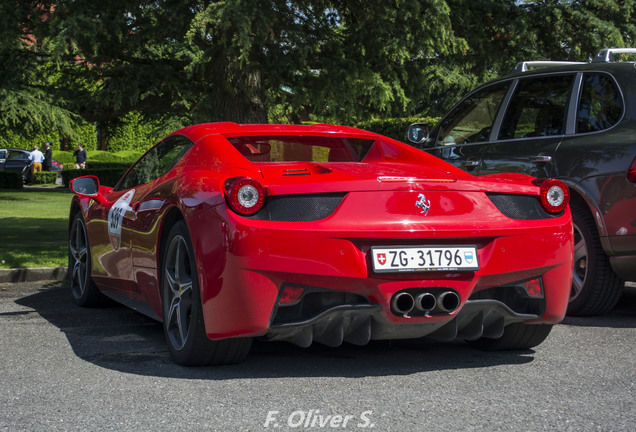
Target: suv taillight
x,y
631,174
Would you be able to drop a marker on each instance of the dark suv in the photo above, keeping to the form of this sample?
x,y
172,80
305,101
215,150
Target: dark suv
x,y
571,121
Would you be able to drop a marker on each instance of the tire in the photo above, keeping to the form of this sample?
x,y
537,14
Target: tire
x,y
183,321
516,336
84,291
595,287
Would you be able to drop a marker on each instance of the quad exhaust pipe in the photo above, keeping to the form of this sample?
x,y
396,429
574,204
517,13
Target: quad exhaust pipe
x,y
448,301
403,303
425,302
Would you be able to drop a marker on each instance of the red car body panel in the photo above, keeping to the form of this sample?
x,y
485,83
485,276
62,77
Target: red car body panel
x,y
243,262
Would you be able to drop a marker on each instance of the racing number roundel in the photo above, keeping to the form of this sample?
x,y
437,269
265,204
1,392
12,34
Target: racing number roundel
x,y
116,216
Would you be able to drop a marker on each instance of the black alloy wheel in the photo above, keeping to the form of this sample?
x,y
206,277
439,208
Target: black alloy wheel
x,y
84,291
183,321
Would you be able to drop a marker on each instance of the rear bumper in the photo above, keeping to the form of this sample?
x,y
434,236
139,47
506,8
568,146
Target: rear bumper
x,y
241,281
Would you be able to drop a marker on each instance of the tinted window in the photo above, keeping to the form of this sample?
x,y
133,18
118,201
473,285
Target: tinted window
x,y
16,155
600,105
301,148
156,162
471,121
537,108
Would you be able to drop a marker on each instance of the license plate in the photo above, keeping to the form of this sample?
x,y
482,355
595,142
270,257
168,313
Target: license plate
x,y
424,258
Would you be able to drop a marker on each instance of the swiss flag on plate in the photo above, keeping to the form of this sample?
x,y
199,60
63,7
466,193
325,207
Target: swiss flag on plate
x,y
381,258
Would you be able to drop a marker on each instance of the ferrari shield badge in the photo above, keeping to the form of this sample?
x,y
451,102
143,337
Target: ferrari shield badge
x,y
423,203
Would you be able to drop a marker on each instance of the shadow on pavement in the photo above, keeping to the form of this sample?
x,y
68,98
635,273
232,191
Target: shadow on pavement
x,y
623,315
121,339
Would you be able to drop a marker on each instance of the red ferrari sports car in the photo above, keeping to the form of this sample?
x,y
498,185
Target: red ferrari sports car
x,y
228,232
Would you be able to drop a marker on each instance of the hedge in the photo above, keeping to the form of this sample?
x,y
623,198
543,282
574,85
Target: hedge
x,y
395,127
125,156
10,180
44,177
106,176
109,165
132,132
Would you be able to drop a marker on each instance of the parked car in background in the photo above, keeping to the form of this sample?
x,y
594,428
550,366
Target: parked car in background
x,y
17,160
228,232
571,121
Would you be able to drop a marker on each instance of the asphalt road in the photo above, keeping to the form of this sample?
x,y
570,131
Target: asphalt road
x,y
66,368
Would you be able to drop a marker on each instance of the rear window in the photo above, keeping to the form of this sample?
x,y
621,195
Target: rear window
x,y
302,148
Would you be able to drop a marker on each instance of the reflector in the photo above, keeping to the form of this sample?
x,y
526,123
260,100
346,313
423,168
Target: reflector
x,y
533,288
290,294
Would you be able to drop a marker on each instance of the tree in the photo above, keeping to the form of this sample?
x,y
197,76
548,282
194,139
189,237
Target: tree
x,y
26,106
578,29
185,61
501,33
230,60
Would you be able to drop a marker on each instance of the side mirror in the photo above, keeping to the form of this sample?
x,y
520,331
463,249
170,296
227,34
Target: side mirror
x,y
88,186
418,133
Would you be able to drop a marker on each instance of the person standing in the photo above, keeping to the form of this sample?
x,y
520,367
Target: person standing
x,y
36,157
80,157
48,157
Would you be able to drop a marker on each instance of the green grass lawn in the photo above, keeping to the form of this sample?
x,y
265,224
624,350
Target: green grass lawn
x,y
33,228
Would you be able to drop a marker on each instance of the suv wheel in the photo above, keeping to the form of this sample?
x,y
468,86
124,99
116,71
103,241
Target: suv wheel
x,y
595,287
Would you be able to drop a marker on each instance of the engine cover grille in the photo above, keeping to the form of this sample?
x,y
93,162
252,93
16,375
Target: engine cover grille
x,y
523,207
299,208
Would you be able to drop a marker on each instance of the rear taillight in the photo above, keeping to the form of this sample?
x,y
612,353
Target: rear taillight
x,y
631,174
554,196
245,196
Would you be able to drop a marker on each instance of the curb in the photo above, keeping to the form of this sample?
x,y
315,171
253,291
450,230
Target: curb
x,y
33,274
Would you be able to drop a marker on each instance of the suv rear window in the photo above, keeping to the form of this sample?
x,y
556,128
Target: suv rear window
x,y
600,104
537,107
